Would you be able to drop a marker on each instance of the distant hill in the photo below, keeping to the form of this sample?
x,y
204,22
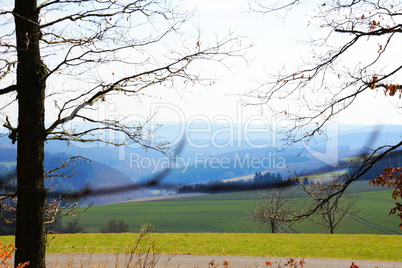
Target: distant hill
x,y
8,154
94,175
78,175
201,144
393,159
217,151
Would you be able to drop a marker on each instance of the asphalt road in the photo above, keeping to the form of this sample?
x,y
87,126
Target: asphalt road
x,y
198,261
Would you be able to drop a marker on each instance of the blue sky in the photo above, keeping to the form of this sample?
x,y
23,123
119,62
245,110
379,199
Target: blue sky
x,y
275,40
278,40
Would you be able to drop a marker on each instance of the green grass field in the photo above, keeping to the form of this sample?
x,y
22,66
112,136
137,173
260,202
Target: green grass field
x,y
217,225
327,174
227,213
358,247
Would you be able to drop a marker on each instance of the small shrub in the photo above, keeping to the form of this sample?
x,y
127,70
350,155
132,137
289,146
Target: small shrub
x,y
143,254
115,226
73,227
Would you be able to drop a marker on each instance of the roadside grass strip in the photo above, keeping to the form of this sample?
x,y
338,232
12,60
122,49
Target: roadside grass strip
x,y
337,246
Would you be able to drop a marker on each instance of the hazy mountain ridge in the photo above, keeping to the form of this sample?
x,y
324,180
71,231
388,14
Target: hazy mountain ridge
x,y
203,159
81,174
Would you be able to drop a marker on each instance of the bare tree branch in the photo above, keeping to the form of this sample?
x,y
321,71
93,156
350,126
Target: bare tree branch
x,y
78,53
332,212
8,89
329,82
257,6
318,79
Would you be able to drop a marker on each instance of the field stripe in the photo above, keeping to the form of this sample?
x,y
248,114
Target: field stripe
x,y
372,225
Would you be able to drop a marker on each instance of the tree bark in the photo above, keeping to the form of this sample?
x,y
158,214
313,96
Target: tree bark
x,y
30,239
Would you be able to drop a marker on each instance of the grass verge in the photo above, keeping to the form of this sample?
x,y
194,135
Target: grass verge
x,y
342,246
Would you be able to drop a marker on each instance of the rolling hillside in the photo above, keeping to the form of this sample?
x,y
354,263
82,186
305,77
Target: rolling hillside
x,y
228,213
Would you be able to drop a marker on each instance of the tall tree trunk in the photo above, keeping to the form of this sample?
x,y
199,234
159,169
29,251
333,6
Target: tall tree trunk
x,y
30,238
273,225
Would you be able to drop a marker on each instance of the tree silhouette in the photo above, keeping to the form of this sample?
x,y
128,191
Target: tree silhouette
x,y
273,208
331,213
74,57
